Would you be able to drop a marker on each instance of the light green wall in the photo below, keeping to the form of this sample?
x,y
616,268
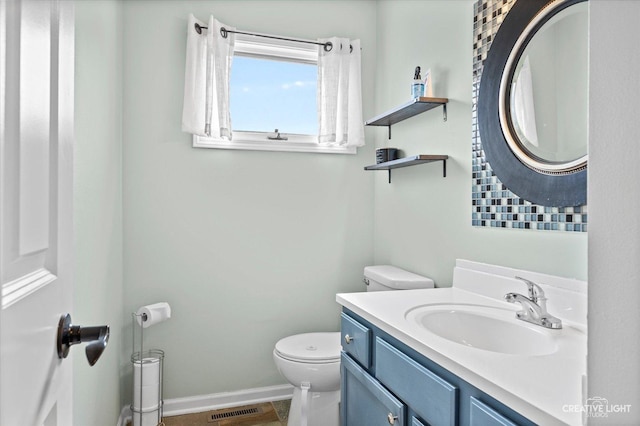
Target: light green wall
x,y
98,207
423,221
249,247
246,246
613,370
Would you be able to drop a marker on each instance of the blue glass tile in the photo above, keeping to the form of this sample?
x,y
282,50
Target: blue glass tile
x,y
492,202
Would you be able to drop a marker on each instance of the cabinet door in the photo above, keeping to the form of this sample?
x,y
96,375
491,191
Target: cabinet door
x,y
416,422
365,401
429,395
483,415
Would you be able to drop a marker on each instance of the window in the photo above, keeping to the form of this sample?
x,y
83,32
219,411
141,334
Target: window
x,y
267,94
273,85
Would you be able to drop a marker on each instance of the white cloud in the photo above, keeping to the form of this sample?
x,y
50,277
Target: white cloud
x,y
298,83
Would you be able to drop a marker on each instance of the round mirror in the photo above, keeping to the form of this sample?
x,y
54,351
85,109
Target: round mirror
x,y
543,108
533,101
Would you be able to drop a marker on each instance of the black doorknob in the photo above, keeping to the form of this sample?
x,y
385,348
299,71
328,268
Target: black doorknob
x,y
69,335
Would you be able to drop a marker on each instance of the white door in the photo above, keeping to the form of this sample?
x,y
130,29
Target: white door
x,y
36,171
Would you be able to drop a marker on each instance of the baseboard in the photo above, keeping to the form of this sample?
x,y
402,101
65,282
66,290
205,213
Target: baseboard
x,y
195,404
125,415
199,403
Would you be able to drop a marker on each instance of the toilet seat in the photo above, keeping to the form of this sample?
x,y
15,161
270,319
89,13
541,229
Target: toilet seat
x,y
311,348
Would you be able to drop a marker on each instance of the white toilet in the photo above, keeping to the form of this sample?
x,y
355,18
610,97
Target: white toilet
x,y
311,361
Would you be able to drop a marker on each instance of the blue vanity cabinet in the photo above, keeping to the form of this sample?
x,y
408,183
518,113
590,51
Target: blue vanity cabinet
x,y
356,340
386,382
483,415
430,396
416,422
369,403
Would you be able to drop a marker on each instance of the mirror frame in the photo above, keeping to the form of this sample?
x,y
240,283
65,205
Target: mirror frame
x,y
558,186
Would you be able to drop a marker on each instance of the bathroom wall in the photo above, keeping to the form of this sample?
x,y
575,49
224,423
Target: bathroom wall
x,y
422,220
246,246
238,282
98,207
614,244
250,246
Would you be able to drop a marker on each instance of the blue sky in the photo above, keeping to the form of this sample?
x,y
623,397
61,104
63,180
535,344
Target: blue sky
x,y
267,94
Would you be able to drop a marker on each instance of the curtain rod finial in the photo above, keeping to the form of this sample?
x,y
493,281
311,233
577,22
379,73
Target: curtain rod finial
x,y
199,28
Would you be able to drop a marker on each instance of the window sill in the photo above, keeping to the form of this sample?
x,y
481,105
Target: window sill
x,y
269,145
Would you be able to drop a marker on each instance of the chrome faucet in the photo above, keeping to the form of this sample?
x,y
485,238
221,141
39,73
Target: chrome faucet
x,y
534,307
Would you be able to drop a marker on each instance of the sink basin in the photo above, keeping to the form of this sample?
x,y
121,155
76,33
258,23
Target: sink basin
x,y
483,327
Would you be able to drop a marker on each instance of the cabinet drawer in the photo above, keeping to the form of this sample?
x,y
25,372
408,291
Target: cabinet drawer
x,y
365,401
430,396
356,340
483,415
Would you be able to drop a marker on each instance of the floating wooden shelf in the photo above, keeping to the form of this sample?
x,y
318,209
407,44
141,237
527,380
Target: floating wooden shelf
x,y
410,161
414,107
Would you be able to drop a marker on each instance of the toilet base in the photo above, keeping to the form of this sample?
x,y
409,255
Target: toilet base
x,y
323,408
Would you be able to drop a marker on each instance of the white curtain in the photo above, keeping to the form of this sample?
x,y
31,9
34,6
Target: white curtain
x,y
340,93
206,82
523,104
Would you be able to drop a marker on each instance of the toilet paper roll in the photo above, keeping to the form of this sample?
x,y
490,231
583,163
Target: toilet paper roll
x,y
149,370
155,313
150,398
148,419
146,384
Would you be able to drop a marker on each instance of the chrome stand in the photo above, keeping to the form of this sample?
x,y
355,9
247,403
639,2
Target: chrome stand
x,y
147,381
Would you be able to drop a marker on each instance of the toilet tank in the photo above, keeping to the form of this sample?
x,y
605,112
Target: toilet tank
x,y
387,277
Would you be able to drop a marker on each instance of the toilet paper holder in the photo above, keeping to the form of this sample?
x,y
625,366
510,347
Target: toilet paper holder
x,y
147,403
150,315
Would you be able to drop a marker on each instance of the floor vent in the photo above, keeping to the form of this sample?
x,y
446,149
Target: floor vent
x,y
230,414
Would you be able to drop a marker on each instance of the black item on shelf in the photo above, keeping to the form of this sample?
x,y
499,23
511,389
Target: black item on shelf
x,y
386,154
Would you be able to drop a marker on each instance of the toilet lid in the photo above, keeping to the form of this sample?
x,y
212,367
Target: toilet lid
x,y
310,347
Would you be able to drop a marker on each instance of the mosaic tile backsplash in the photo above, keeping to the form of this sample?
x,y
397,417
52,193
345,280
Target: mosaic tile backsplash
x,y
493,204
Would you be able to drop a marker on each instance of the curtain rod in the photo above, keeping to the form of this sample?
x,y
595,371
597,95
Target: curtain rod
x,y
224,32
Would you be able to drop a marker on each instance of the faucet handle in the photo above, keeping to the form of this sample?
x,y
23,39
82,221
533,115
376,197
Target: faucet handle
x,y
536,294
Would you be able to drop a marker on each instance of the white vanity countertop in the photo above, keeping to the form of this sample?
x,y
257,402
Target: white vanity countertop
x,y
546,389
